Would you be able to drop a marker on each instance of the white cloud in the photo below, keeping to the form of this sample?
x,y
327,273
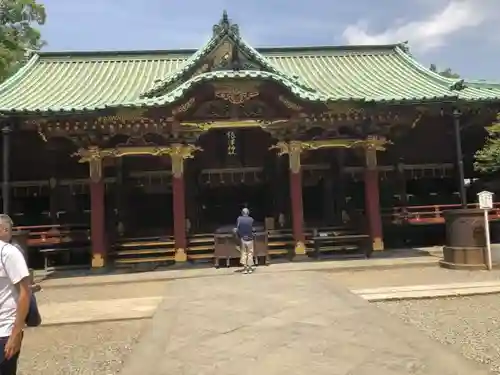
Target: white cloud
x,y
429,32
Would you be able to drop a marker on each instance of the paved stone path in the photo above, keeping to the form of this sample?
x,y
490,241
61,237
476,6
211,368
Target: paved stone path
x,y
173,274
98,311
282,323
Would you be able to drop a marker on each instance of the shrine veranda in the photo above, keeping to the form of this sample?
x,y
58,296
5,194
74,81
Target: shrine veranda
x,y
149,150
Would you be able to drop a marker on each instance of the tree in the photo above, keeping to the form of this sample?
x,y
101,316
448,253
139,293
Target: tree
x,y
17,32
488,158
448,73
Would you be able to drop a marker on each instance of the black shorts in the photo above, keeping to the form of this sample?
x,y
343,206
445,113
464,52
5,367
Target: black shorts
x,y
7,367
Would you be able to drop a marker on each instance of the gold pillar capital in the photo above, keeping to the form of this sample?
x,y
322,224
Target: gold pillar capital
x,y
92,155
294,150
371,157
178,153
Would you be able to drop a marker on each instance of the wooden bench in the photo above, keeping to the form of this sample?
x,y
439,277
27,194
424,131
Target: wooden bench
x,y
48,253
349,243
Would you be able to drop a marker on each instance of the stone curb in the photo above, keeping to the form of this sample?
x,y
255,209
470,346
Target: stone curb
x,y
333,267
89,321
428,291
87,311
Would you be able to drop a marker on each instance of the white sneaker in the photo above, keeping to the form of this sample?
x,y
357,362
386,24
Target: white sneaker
x,y
250,270
245,271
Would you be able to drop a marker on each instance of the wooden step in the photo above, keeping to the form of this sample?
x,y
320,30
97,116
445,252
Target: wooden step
x,y
144,244
143,251
201,240
277,251
144,260
274,244
200,256
337,248
280,236
202,235
202,248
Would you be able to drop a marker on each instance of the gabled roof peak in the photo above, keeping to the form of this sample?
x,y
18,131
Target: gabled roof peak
x,y
225,26
226,51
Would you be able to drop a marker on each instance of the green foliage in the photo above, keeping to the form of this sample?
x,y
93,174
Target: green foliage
x,y
17,32
448,73
488,158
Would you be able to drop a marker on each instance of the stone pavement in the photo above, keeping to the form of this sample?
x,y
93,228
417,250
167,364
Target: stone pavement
x,y
282,323
98,311
192,272
90,311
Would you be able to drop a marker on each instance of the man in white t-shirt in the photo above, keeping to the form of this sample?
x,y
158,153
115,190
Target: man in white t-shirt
x,y
14,298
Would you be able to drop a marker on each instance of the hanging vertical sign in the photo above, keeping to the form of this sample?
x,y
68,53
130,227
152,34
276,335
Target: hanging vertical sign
x,y
486,203
231,143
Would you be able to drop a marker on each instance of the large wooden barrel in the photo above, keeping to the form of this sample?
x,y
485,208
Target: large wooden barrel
x,y
465,239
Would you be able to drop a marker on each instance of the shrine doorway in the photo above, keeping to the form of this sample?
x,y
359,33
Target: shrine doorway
x,y
222,200
235,170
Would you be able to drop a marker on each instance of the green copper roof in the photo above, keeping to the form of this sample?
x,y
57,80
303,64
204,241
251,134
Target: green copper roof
x,y
79,81
179,91
223,31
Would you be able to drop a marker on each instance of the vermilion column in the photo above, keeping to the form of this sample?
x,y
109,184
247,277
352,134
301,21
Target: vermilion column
x,y
294,151
372,200
179,153
97,214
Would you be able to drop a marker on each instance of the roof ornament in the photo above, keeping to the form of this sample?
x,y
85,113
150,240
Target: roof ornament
x,y
405,47
225,26
458,85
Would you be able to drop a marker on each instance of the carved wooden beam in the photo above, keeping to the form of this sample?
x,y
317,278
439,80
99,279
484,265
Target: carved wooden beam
x,y
93,152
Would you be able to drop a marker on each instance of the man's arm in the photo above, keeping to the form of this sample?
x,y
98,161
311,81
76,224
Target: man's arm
x,y
17,271
23,304
238,226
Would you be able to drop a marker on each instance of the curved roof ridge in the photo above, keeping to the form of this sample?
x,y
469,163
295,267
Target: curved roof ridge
x,y
482,83
224,29
180,90
264,61
405,55
20,73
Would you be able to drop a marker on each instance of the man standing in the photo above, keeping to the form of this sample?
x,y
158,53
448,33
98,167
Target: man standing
x,y
14,298
244,229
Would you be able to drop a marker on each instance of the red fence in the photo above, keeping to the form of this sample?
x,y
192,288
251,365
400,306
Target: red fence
x,y
430,214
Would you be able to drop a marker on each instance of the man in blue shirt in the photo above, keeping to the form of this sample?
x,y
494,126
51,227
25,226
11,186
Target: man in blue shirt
x,y
244,229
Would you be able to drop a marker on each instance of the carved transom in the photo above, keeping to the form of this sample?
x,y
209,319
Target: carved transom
x,y
236,94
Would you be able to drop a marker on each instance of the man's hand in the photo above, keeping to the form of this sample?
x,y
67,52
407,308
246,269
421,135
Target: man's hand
x,y
13,345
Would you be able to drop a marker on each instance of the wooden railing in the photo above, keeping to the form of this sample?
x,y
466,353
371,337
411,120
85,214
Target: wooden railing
x,y
429,214
52,235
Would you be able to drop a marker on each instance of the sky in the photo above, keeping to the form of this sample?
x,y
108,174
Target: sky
x,y
463,35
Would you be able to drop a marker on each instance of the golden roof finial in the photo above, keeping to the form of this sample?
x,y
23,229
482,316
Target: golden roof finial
x,y
225,26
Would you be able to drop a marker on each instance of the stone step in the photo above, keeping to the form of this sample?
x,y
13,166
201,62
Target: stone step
x,y
428,291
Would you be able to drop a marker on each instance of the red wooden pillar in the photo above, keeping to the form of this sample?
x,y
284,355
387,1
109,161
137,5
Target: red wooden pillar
x,y
178,155
294,151
97,214
372,199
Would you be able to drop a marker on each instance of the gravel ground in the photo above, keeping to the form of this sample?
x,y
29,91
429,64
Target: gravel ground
x,y
87,349
410,276
102,292
468,324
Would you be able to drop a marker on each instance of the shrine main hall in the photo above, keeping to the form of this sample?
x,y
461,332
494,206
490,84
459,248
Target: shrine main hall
x,y
143,155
